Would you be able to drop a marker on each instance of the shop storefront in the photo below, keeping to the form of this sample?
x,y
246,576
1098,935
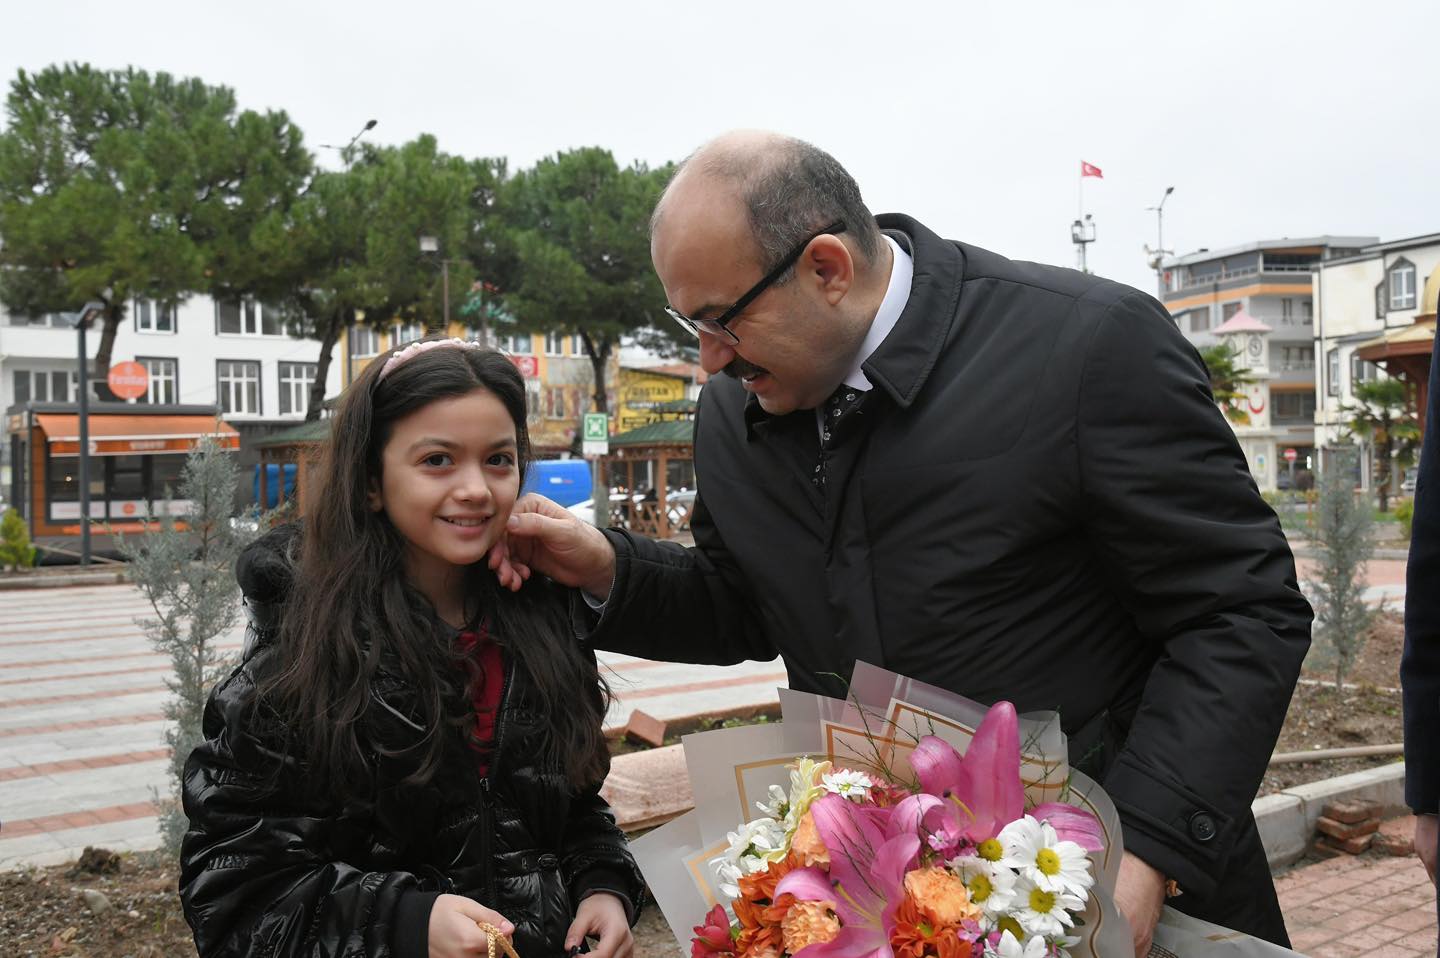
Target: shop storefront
x,y
136,457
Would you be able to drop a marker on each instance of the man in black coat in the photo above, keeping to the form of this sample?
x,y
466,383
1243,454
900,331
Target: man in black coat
x,y
1006,479
1420,664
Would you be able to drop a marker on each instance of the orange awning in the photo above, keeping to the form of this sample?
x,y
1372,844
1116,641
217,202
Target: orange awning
x,y
130,435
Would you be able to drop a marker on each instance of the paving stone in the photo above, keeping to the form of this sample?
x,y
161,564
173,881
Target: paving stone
x,y
644,729
1397,845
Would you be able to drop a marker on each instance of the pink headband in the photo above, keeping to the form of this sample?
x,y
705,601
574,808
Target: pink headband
x,y
415,349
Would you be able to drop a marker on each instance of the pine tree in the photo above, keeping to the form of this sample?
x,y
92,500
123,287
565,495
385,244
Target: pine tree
x,y
16,552
1341,533
186,575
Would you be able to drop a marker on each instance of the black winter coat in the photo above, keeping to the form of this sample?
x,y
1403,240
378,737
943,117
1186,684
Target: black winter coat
x,y
267,872
1038,501
1420,664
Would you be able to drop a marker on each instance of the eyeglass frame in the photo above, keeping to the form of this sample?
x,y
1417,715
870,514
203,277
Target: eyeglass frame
x,y
719,326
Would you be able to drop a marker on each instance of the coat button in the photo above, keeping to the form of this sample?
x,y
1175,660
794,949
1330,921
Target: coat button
x,y
1202,827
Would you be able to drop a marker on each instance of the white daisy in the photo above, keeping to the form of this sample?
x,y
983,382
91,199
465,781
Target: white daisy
x,y
991,885
778,805
848,784
751,850
1009,947
1042,912
1056,866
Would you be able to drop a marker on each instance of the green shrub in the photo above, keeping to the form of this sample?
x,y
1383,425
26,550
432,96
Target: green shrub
x,y
1405,514
16,552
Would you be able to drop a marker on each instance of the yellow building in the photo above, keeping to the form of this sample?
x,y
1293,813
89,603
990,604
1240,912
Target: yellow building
x,y
559,380
643,393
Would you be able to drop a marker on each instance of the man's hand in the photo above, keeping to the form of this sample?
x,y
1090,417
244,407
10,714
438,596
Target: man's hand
x,y
546,538
455,927
1427,831
602,915
1139,894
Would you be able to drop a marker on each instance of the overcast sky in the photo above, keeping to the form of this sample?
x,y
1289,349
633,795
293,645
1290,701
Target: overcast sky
x,y
1269,119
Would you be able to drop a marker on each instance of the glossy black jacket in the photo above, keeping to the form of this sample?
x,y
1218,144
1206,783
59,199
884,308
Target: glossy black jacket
x,y
266,871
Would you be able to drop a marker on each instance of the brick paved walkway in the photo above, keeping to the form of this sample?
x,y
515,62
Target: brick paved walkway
x,y
1370,905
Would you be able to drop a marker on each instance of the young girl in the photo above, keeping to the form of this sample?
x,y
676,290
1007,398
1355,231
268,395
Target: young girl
x,y
406,750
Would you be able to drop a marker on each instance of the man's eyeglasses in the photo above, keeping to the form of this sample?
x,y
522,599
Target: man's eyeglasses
x,y
719,325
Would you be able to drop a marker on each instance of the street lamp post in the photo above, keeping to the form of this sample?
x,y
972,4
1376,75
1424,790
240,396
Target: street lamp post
x,y
431,244
1158,258
1082,234
82,321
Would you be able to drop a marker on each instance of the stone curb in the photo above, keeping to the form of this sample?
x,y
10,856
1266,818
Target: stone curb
x,y
1287,819
649,788
13,582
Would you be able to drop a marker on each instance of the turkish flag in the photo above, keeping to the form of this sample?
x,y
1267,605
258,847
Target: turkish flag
x,y
1087,169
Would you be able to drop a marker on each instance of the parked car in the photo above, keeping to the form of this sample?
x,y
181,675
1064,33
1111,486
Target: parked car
x,y
1407,485
678,506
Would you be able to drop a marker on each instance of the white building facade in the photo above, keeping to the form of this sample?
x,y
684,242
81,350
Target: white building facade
x,y
235,356
1367,306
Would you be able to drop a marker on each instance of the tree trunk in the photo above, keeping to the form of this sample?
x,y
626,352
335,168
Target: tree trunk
x,y
328,336
100,372
598,353
1382,451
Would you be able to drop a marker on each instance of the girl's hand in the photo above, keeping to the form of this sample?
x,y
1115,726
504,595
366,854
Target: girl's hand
x,y
454,928
603,916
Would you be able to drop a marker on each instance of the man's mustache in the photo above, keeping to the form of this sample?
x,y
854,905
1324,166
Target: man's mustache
x,y
742,369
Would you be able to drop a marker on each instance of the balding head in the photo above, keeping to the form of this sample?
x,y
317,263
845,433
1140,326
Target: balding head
x,y
785,188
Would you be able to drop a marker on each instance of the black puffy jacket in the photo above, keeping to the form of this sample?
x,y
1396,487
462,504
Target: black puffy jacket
x,y
267,871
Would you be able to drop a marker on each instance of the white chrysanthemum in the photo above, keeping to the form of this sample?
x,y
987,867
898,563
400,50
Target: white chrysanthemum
x,y
848,784
990,884
1033,848
1010,947
751,850
778,805
1042,912
805,787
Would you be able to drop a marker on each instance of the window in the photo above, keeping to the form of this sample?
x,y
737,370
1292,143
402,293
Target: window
x,y
55,320
1228,310
1287,312
1297,357
532,399
364,341
1332,372
153,316
295,382
1307,313
42,386
238,385
577,345
555,402
517,343
554,344
164,380
1293,407
1401,284
1361,371
245,317
407,333
1199,319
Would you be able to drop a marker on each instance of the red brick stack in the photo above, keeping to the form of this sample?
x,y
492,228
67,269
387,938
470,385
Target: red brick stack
x,y
1350,827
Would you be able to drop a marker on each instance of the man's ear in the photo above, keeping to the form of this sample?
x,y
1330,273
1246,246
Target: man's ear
x,y
828,264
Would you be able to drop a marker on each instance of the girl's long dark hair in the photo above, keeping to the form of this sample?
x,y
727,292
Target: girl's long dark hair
x,y
351,605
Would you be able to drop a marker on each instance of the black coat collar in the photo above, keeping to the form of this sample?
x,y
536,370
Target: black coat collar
x,y
904,360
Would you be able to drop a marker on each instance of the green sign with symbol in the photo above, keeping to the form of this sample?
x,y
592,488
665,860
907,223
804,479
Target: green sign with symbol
x,y
596,434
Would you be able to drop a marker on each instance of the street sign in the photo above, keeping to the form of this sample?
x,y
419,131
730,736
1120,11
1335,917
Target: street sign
x,y
128,380
596,434
1291,455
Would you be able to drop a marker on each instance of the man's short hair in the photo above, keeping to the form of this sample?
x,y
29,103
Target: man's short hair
x,y
791,190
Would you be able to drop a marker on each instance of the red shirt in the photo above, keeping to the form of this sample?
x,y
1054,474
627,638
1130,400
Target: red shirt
x,y
486,692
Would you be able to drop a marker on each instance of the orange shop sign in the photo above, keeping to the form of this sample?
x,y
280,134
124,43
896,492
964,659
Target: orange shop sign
x,y
128,380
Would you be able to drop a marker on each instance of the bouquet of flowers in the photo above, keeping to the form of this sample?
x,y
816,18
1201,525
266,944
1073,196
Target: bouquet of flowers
x,y
904,822
847,864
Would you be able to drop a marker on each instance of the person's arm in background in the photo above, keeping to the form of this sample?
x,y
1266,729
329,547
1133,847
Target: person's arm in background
x,y
1420,662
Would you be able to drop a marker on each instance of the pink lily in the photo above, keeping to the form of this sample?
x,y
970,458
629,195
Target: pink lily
x,y
865,883
986,782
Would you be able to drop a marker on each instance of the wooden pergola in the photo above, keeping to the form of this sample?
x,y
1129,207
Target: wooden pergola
x,y
658,444
299,446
